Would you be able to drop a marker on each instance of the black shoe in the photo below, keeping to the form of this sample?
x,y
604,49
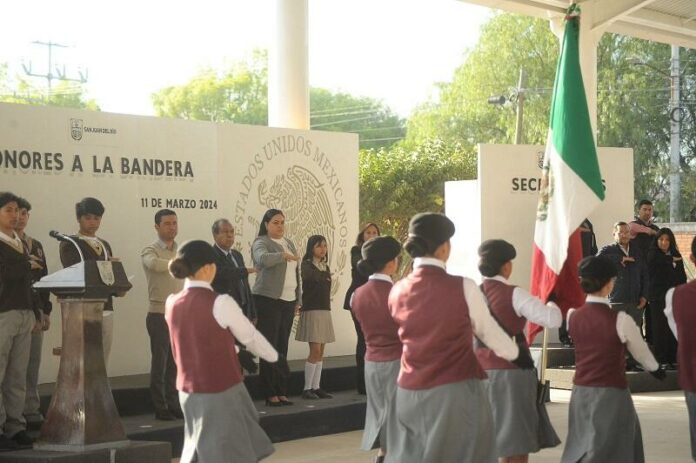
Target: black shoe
x,y
270,403
286,402
379,459
7,444
164,415
23,440
177,413
309,394
322,394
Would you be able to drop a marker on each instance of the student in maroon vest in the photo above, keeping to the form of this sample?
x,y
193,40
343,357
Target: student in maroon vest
x,y
602,421
511,390
220,421
380,260
680,309
442,409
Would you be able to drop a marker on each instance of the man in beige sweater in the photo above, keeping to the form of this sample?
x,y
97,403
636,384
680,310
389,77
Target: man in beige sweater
x,y
160,285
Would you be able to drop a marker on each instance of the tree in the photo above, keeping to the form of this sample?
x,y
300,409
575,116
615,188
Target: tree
x,y
65,94
399,182
240,94
633,101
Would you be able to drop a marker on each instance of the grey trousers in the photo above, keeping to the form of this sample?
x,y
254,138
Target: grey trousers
x,y
15,343
691,407
32,401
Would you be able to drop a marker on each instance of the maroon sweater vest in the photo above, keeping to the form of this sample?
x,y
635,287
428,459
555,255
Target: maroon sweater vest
x,y
434,328
370,307
499,297
600,356
684,309
204,352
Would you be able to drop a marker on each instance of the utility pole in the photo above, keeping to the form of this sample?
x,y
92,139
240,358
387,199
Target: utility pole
x,y
675,138
60,73
519,128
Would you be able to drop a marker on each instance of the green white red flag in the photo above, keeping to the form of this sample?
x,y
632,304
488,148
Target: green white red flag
x,y
571,182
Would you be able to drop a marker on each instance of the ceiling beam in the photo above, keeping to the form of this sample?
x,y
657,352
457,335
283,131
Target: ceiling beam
x,y
536,8
616,9
654,35
657,20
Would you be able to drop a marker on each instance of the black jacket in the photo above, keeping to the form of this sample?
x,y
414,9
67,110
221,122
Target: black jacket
x,y
69,256
664,274
632,281
358,279
15,280
233,280
316,287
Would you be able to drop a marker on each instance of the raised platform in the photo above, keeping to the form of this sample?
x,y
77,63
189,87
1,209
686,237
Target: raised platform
x,y
306,418
135,452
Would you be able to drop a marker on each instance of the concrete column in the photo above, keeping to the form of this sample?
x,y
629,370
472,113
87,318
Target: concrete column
x,y
288,67
589,39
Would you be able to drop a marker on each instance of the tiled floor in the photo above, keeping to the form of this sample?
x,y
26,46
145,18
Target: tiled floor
x,y
663,418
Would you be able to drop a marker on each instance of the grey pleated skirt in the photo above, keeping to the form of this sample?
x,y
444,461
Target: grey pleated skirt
x,y
602,427
315,326
380,383
222,427
512,395
451,423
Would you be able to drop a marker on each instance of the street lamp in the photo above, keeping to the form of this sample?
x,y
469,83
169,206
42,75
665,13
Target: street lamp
x,y
517,97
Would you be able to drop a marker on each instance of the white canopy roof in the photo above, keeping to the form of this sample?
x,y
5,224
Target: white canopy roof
x,y
667,21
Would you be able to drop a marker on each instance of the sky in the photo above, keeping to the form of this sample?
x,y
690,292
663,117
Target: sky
x,y
392,50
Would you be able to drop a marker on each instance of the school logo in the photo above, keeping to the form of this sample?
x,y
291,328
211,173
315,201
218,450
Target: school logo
x,y
76,128
305,203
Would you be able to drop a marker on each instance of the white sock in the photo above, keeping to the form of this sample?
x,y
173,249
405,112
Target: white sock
x,y
309,370
317,375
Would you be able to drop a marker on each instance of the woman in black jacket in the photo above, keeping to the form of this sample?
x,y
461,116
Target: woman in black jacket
x,y
666,270
368,231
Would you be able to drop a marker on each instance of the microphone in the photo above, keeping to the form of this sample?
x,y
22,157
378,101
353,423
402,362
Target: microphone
x,y
61,237
57,235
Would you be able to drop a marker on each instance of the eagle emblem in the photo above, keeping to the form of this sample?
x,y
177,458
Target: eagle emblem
x,y
305,203
545,191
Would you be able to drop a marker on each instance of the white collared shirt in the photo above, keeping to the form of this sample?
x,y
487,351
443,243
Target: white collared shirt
x,y
380,276
13,240
669,312
530,307
483,324
628,333
229,315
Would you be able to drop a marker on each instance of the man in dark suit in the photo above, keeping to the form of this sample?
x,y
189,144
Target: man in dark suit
x,y
232,276
631,288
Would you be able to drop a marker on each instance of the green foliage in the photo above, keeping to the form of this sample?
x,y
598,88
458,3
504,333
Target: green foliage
x,y
633,101
462,113
398,182
240,95
64,94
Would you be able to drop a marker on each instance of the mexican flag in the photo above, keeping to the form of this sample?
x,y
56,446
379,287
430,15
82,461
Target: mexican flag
x,y
571,182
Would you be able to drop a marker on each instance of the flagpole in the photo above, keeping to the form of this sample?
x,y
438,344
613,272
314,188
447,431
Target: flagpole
x,y
544,356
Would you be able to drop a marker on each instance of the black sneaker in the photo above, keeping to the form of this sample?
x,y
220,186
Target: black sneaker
x,y
7,444
177,413
322,394
23,440
309,394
